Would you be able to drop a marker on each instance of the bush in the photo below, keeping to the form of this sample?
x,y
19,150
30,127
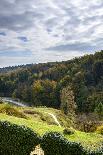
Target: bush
x,y
1,101
98,152
16,140
100,130
68,131
54,143
12,111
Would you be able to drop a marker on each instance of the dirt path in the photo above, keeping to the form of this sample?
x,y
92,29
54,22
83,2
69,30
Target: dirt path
x,y
55,119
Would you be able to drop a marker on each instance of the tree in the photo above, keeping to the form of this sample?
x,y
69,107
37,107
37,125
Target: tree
x,y
44,93
68,104
99,110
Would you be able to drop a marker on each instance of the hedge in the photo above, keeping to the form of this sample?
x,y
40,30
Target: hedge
x,y
99,151
53,143
20,140
17,140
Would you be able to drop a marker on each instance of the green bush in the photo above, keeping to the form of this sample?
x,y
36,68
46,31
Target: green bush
x,y
99,151
54,143
68,131
16,140
100,130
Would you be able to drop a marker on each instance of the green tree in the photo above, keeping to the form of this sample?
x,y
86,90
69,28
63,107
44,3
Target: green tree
x,y
99,110
44,93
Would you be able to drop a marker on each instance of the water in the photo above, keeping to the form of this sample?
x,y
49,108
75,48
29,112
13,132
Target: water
x,y
17,103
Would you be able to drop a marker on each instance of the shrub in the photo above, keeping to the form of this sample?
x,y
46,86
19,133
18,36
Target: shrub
x,y
1,101
16,140
54,143
12,111
99,151
100,130
68,131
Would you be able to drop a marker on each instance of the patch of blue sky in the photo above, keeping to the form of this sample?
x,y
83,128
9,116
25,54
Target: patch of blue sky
x,y
2,34
15,53
23,38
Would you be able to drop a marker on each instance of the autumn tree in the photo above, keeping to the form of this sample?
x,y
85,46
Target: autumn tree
x,y
68,104
44,93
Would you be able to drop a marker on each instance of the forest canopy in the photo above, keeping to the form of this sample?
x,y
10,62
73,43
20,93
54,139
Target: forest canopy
x,y
44,84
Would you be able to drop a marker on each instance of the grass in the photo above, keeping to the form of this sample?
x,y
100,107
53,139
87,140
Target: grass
x,y
39,120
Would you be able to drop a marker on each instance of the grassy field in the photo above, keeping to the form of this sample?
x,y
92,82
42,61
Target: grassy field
x,y
40,121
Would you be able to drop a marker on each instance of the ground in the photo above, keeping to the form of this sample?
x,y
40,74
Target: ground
x,y
40,121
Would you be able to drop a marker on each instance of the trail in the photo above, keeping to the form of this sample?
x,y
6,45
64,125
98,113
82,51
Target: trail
x,y
55,119
17,103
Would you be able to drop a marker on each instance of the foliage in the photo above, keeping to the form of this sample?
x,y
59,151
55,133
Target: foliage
x,y
99,151
84,75
99,110
12,111
67,101
1,101
44,93
88,122
16,139
88,140
100,129
54,143
68,131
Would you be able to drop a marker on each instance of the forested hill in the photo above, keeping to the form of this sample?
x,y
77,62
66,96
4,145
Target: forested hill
x,y
72,85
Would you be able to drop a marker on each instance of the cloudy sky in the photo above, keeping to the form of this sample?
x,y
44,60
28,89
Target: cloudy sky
x,y
33,31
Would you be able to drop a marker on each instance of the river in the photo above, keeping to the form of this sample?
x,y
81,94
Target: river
x,y
12,101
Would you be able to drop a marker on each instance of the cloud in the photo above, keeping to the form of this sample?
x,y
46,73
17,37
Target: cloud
x,y
82,47
2,33
23,38
57,28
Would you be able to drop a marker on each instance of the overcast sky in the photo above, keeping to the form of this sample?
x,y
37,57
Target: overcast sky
x,y
33,31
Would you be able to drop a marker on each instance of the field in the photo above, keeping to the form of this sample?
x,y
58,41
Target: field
x,y
40,120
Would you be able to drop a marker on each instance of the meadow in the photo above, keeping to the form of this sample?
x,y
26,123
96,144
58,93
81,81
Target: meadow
x,y
40,120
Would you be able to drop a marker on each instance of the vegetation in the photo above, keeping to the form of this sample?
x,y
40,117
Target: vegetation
x,y
12,111
42,84
17,140
74,87
68,131
41,122
54,143
100,129
67,101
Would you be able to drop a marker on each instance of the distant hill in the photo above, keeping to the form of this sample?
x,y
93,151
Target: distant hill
x,y
46,83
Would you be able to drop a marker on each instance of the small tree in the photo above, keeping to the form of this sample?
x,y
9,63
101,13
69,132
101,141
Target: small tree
x,y
99,110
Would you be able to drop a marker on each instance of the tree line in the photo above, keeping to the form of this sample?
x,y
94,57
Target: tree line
x,y
73,85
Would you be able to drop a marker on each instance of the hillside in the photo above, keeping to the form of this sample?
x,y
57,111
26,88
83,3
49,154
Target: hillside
x,y
42,84
40,120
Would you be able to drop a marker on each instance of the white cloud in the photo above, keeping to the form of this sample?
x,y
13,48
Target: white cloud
x,y
49,24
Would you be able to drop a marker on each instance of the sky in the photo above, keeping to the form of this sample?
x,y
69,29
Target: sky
x,y
33,31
